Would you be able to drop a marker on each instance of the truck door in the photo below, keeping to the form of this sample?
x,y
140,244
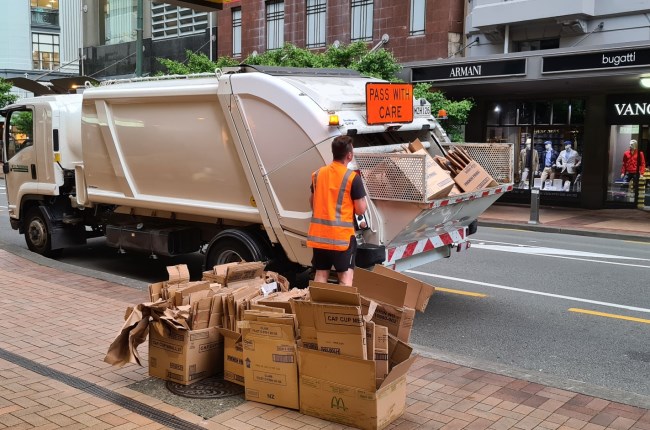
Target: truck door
x,y
20,168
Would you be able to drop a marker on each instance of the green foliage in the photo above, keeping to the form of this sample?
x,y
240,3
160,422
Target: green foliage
x,y
379,64
195,63
6,98
457,111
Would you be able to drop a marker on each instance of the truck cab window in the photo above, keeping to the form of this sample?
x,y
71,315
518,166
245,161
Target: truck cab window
x,y
20,132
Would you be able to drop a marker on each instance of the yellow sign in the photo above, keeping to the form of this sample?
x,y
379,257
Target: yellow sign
x,y
389,103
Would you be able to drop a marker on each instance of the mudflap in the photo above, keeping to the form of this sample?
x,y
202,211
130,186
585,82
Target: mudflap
x,y
63,236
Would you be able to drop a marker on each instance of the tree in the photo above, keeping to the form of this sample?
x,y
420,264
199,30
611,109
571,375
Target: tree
x,y
379,63
6,97
457,111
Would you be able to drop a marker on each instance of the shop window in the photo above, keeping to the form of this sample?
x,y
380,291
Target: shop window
x,y
362,15
274,24
525,112
537,45
315,12
494,114
560,114
628,147
509,113
543,112
577,112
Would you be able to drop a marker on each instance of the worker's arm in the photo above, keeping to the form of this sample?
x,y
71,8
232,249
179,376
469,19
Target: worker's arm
x,y
360,206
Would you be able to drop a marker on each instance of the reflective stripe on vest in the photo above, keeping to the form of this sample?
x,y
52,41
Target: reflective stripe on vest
x,y
329,230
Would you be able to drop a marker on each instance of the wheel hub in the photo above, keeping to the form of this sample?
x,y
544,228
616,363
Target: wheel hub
x,y
37,233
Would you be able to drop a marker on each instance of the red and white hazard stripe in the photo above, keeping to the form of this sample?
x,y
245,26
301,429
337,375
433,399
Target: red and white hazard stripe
x,y
470,196
424,245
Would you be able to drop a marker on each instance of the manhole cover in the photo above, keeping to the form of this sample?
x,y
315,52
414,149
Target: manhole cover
x,y
210,388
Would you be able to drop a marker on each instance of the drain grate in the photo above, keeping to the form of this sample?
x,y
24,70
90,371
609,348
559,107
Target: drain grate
x,y
210,388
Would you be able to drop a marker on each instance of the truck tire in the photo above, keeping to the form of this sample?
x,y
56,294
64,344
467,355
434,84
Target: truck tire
x,y
234,245
37,234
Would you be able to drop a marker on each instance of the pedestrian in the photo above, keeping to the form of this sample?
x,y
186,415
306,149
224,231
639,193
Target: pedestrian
x,y
337,194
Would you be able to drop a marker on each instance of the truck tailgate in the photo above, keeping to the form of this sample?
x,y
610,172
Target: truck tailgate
x,y
411,224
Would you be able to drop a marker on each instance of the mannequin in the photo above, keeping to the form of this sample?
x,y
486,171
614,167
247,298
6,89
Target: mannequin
x,y
524,162
549,157
630,159
568,161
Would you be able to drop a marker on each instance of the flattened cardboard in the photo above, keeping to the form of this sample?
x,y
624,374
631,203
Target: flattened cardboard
x,y
381,352
305,316
331,293
184,356
270,364
343,390
379,287
473,177
417,292
439,181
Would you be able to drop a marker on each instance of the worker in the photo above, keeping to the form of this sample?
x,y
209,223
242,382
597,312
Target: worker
x,y
337,194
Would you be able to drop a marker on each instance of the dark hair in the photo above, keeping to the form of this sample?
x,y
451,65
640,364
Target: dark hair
x,y
341,146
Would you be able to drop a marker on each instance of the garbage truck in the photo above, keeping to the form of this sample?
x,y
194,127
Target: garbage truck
x,y
221,163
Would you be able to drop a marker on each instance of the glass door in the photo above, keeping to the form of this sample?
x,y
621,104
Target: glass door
x,y
628,146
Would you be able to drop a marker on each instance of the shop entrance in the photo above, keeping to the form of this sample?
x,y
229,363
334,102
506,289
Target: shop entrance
x,y
628,174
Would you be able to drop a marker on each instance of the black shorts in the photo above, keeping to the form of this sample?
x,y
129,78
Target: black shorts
x,y
324,259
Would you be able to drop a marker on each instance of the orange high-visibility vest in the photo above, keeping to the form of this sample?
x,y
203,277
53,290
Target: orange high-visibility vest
x,y
332,223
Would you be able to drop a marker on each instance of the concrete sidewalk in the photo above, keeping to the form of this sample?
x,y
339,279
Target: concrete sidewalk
x,y
626,224
57,326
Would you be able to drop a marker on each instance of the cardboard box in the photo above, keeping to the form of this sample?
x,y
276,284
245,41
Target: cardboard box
x,y
439,181
270,363
184,356
398,320
305,316
396,296
473,177
379,285
233,357
343,390
381,352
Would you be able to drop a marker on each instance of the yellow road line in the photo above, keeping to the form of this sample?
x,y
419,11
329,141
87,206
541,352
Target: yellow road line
x,y
603,314
462,293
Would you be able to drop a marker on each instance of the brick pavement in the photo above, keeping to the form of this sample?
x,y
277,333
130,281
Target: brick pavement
x,y
56,327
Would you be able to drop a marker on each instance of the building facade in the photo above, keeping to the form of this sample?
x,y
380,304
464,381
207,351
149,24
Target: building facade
x,y
411,29
567,73
43,39
110,33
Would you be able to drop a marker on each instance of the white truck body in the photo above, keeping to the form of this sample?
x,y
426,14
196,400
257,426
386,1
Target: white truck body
x,y
171,165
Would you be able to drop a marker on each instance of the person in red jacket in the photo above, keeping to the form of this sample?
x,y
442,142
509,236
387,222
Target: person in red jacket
x,y
629,169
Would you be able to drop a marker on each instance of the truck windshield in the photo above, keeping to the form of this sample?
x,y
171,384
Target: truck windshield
x,y
20,132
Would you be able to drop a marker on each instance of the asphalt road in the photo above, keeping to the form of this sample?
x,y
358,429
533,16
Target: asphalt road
x,y
572,308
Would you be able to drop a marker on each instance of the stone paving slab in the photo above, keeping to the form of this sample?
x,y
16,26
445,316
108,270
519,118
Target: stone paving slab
x,y
56,327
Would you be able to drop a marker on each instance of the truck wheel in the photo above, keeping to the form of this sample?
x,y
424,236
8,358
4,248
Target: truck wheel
x,y
37,234
231,246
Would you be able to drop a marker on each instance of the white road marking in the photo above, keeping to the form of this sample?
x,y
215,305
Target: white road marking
x,y
565,254
538,293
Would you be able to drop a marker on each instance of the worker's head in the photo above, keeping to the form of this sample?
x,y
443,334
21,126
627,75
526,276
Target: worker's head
x,y
342,149
633,144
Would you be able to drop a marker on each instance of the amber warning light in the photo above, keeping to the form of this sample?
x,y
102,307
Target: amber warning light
x,y
389,103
